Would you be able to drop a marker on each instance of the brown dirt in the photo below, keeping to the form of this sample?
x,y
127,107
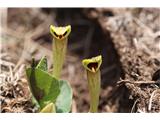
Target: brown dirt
x,y
128,40
137,42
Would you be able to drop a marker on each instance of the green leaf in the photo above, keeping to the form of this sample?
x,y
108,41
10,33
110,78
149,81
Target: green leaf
x,y
44,87
35,102
49,108
42,64
64,100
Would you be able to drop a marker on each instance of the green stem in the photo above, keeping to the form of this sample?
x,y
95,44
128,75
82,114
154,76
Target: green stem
x,y
59,51
94,89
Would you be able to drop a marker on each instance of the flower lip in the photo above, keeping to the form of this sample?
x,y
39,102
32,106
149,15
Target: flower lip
x,y
60,33
55,34
92,64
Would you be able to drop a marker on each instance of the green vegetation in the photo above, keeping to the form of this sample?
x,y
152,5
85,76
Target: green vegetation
x,y
49,93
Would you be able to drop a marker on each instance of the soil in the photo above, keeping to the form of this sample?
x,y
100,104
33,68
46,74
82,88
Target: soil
x,y
128,40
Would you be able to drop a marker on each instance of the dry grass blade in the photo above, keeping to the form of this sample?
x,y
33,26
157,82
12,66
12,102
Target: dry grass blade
x,y
14,95
151,98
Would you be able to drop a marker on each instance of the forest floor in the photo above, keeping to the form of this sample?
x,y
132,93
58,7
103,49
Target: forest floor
x,y
128,40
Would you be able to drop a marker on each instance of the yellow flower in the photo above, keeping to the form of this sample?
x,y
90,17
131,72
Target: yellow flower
x,y
92,64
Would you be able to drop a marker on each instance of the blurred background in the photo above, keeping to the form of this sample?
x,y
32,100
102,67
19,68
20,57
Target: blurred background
x,y
95,31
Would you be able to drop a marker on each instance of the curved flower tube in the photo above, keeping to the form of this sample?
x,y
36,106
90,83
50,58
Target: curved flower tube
x,y
92,67
60,40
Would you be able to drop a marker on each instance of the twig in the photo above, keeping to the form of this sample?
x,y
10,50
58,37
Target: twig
x,y
151,98
11,73
74,106
134,105
28,37
5,63
88,42
137,82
